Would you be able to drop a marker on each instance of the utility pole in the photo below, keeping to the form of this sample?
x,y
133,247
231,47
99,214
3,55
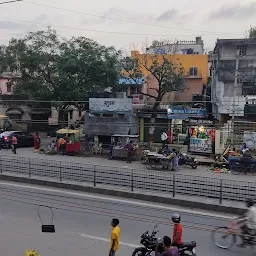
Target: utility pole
x,y
234,96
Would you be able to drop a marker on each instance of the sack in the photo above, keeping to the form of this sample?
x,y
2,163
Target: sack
x,y
31,253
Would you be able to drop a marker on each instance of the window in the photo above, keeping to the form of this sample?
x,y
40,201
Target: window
x,y
9,87
249,88
242,50
134,90
193,71
71,114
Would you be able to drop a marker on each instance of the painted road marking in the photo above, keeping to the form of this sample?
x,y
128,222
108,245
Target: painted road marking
x,y
127,201
107,240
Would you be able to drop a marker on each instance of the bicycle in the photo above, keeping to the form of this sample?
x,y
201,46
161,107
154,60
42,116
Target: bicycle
x,y
241,167
229,234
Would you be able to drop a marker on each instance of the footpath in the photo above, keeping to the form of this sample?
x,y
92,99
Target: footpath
x,y
201,171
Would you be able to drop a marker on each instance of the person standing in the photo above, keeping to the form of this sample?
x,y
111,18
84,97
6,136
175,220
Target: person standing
x,y
37,142
129,152
14,144
177,230
115,237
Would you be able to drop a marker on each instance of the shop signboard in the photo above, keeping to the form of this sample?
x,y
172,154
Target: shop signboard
x,y
185,113
106,105
198,145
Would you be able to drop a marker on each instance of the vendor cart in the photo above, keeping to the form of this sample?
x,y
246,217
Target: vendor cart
x,y
72,138
119,146
157,161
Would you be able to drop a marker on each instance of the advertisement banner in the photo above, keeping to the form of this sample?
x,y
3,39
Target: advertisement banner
x,y
200,145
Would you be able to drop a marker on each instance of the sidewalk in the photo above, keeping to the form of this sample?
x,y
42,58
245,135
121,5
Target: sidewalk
x,y
201,171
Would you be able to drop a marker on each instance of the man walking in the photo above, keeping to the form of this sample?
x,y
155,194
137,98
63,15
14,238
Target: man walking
x,y
129,152
115,237
14,144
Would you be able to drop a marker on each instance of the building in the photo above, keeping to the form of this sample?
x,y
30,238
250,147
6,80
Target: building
x,y
233,58
109,116
196,74
5,87
178,47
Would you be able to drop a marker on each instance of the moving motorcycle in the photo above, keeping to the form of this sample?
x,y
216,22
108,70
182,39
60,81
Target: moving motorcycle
x,y
185,159
150,241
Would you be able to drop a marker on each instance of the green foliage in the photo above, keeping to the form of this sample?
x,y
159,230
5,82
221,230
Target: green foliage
x,y
54,69
252,32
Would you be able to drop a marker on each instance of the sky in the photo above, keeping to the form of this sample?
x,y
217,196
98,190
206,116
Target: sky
x,y
129,24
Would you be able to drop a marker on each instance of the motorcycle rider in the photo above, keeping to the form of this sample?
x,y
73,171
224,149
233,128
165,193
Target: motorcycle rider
x,y
169,249
249,227
177,230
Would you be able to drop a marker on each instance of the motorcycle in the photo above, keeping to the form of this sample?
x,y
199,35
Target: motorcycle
x,y
150,241
185,159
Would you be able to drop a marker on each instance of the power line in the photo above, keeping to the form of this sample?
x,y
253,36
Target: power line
x,y
127,21
88,30
8,2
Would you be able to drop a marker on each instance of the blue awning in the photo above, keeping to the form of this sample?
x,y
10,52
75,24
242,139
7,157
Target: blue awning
x,y
128,81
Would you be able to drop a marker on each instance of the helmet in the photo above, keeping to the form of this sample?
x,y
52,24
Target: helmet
x,y
249,202
176,218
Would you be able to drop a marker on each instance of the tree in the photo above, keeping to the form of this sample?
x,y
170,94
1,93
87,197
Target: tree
x,y
54,69
167,71
252,32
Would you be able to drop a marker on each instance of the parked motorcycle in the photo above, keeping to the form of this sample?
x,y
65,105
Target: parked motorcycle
x,y
185,159
150,241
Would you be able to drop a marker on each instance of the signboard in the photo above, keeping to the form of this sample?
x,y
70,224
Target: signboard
x,y
200,121
106,105
250,139
185,113
200,145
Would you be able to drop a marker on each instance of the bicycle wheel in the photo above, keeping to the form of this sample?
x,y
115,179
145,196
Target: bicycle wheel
x,y
222,238
237,169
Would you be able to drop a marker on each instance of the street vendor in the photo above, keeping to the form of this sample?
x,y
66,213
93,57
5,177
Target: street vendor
x,y
62,145
244,148
167,150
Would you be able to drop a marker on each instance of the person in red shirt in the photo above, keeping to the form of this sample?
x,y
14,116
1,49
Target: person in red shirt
x,y
177,231
37,141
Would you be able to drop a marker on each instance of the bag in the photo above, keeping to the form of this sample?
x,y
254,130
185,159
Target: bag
x,y
31,253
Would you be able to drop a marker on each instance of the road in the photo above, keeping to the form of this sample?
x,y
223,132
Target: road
x,y
82,223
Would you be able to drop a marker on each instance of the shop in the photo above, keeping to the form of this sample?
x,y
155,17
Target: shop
x,y
121,141
106,117
201,134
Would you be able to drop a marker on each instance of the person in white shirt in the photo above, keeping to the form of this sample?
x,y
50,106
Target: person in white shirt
x,y
249,227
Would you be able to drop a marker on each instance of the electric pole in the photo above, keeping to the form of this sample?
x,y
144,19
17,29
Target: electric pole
x,y
234,96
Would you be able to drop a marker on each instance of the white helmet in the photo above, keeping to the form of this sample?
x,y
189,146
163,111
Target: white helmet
x,y
176,217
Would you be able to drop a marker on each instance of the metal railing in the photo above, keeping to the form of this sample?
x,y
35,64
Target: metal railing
x,y
159,181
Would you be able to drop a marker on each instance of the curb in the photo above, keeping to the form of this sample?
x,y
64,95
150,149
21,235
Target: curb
x,y
125,194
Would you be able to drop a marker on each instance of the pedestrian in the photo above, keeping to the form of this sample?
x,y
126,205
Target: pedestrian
x,y
62,145
14,144
115,237
37,142
110,151
129,152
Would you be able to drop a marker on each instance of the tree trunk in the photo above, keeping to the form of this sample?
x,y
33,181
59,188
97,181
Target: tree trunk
x,y
152,125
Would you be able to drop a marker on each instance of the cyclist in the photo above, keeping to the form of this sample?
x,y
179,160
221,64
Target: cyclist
x,y
177,230
249,223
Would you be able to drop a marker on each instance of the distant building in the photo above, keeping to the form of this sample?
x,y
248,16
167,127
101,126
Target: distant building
x,y
228,100
178,47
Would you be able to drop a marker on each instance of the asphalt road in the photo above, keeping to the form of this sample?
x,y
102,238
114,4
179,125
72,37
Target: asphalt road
x,y
82,223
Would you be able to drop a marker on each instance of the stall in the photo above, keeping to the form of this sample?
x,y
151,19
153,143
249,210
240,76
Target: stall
x,y
72,138
201,139
120,142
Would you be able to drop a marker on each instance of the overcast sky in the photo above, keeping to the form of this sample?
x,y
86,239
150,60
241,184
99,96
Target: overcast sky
x,y
162,19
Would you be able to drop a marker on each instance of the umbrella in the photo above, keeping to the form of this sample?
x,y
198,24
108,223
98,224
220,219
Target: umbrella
x,y
67,131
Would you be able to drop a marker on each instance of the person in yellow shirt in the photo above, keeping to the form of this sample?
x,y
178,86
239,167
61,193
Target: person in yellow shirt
x,y
115,237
